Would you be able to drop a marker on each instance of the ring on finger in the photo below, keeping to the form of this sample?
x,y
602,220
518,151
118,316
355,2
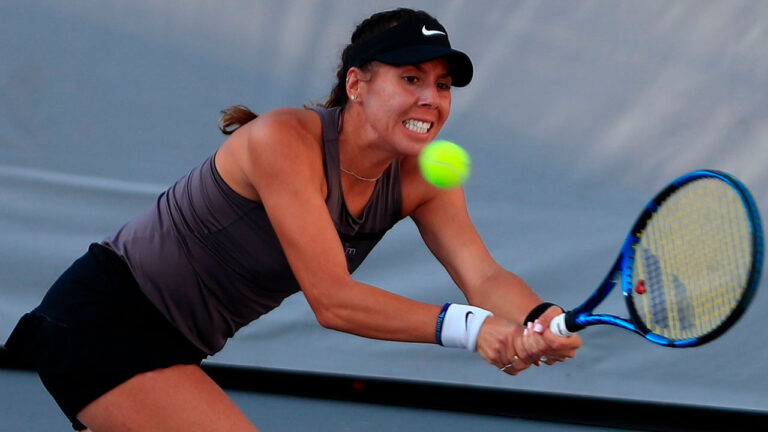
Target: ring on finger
x,y
509,365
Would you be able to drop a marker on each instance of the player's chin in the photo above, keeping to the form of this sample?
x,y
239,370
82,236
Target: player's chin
x,y
411,148
412,143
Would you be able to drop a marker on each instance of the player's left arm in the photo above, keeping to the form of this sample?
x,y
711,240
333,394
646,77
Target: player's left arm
x,y
444,223
448,232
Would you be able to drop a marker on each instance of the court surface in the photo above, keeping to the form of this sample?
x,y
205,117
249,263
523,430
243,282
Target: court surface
x,y
25,405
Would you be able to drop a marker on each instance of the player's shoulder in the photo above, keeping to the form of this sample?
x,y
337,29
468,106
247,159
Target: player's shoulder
x,y
286,124
284,140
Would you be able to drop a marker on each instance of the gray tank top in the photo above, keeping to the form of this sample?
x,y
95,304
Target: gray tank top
x,y
210,260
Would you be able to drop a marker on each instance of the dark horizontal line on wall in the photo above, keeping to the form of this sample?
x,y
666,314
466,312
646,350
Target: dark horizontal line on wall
x,y
550,407
541,406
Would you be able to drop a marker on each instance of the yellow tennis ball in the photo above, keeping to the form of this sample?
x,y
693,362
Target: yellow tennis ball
x,y
444,164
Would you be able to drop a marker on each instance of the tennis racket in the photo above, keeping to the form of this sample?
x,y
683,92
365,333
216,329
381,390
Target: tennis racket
x,y
688,268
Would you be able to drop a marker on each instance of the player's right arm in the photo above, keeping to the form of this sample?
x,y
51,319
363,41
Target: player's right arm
x,y
279,159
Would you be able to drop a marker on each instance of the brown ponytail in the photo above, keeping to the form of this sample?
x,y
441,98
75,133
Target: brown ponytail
x,y
234,117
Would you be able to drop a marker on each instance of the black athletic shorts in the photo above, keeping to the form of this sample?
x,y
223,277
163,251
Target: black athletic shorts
x,y
94,330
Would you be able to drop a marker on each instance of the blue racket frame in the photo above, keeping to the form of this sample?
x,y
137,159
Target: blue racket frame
x,y
582,315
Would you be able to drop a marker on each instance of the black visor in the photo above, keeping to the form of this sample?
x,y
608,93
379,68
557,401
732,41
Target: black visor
x,y
411,42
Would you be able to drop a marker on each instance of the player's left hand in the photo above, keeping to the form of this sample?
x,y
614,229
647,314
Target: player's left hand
x,y
559,348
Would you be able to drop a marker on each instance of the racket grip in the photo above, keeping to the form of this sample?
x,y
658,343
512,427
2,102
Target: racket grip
x,y
563,325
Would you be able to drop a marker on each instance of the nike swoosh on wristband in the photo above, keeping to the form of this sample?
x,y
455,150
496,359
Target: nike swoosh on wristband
x,y
426,32
466,319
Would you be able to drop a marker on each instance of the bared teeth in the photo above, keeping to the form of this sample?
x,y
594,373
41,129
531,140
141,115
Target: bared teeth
x,y
417,125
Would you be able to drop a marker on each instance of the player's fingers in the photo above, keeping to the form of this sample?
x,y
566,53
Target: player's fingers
x,y
539,328
514,366
495,341
564,346
540,346
552,359
531,346
551,355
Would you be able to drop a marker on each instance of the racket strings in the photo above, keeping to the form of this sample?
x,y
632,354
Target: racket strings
x,y
693,259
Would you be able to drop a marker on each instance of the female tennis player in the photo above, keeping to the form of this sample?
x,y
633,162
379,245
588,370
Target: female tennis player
x,y
293,200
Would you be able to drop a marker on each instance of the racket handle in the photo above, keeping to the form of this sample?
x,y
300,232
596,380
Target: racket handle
x,y
563,325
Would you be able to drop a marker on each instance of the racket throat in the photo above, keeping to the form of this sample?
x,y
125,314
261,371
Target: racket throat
x,y
571,324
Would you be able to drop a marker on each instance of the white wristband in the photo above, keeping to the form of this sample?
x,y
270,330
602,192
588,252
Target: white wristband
x,y
461,325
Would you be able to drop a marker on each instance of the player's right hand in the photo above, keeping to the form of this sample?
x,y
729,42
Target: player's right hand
x,y
508,346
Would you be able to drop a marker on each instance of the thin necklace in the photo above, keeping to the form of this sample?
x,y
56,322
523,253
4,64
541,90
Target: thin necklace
x,y
365,179
359,177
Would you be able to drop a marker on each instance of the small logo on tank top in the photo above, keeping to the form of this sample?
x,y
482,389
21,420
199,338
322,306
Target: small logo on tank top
x,y
350,251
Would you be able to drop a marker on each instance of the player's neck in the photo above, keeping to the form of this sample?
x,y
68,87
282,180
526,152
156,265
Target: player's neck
x,y
360,150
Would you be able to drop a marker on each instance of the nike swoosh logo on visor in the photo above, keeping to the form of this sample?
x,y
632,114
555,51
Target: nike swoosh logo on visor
x,y
426,32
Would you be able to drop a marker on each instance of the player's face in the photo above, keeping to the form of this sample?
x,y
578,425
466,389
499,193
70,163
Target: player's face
x,y
407,106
